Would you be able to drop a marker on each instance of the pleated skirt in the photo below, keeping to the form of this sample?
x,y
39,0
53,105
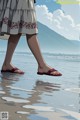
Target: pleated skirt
x,y
17,16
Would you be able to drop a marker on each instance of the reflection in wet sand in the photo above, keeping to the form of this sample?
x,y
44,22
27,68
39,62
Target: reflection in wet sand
x,y
11,107
46,86
21,89
41,87
19,107
9,76
32,107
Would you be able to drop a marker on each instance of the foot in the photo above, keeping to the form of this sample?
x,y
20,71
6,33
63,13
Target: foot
x,y
47,70
11,68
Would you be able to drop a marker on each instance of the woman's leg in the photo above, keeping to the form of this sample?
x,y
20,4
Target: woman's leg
x,y
34,46
12,43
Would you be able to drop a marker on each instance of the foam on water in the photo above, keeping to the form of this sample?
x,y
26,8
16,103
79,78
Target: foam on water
x,y
2,92
39,108
22,112
75,90
10,99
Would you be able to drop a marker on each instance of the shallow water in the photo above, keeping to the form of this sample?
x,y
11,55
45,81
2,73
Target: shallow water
x,y
34,97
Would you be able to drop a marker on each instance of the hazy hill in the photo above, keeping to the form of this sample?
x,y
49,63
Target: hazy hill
x,y
55,42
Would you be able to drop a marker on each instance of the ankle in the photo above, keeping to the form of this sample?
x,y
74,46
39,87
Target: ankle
x,y
42,66
6,65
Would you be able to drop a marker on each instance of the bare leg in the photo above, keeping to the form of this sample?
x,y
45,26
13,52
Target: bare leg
x,y
12,43
34,46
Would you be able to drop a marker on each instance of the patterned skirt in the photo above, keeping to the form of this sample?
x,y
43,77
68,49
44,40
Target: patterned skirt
x,y
17,16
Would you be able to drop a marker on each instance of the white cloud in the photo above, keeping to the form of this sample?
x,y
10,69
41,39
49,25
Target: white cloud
x,y
58,21
73,10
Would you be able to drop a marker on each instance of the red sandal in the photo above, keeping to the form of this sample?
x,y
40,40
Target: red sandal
x,y
49,73
14,70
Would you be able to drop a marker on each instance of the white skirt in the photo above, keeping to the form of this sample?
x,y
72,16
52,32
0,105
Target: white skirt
x,y
17,16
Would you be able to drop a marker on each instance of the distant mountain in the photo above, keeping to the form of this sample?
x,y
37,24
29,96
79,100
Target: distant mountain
x,y
49,40
76,42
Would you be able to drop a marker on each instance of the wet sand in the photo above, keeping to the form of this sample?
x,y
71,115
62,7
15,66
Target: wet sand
x,y
34,97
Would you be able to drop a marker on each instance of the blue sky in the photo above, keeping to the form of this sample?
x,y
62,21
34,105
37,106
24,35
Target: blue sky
x,y
62,18
51,4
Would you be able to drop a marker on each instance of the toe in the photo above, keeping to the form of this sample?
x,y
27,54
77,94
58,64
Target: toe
x,y
56,73
19,71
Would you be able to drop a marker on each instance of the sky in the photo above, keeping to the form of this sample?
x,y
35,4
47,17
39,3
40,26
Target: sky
x,y
62,16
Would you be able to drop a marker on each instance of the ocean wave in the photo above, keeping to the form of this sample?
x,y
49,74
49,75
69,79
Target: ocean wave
x,y
60,56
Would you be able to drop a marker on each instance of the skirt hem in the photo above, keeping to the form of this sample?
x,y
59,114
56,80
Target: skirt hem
x,y
5,36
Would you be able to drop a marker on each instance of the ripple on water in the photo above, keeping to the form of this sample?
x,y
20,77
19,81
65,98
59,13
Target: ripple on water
x,y
10,99
39,108
22,112
2,92
75,90
21,89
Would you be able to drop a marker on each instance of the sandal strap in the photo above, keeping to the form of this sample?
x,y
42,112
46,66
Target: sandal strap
x,y
51,70
14,69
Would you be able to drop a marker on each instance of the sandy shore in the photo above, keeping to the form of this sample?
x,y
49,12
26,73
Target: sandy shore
x,y
33,97
16,112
